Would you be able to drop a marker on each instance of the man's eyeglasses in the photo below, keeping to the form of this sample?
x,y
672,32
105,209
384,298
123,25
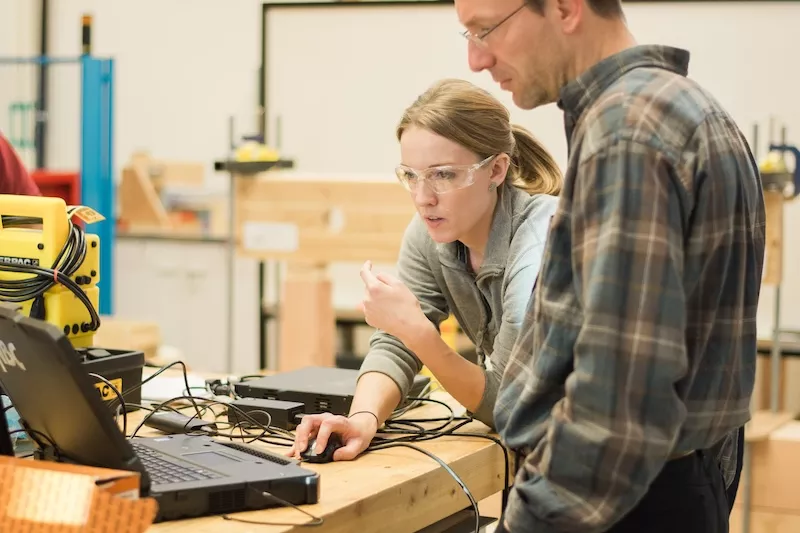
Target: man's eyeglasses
x,y
479,38
442,179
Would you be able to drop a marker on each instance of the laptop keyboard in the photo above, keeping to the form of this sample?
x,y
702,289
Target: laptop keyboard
x,y
163,470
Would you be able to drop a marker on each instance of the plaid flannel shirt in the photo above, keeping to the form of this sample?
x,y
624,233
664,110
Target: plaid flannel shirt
x,y
640,339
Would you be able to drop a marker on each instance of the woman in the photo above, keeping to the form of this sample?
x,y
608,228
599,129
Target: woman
x,y
484,190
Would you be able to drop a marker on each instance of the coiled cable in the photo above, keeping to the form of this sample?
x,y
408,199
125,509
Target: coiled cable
x,y
69,259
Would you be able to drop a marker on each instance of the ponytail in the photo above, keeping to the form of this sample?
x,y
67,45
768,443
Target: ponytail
x,y
533,169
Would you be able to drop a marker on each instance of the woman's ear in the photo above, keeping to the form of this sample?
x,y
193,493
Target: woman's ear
x,y
500,168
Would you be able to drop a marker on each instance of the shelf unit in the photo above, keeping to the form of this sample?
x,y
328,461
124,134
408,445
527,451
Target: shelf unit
x,y
97,151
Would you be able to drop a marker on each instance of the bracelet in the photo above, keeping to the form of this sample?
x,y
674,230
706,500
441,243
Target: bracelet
x,y
377,422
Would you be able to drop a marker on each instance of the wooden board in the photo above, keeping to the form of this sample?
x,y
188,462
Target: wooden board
x,y
775,463
124,334
775,505
308,323
763,423
773,267
140,205
321,219
765,521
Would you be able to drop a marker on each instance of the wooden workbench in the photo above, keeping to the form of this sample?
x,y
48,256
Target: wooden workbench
x,y
754,510
764,423
360,495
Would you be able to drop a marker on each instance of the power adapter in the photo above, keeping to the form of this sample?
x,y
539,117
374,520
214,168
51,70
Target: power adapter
x,y
282,414
174,423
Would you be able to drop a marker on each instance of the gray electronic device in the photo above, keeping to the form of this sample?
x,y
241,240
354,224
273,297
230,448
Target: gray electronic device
x,y
320,389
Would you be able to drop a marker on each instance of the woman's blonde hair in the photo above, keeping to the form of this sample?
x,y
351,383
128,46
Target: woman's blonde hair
x,y
468,115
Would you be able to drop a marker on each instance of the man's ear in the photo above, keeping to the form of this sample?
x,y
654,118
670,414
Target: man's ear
x,y
570,14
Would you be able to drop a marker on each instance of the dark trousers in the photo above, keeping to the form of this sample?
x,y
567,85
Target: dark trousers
x,y
688,496
739,463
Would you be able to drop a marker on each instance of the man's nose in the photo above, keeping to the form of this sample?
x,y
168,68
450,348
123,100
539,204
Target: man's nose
x,y
479,57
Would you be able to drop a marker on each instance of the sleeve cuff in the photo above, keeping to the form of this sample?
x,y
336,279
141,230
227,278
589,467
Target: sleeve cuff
x,y
485,411
517,518
375,362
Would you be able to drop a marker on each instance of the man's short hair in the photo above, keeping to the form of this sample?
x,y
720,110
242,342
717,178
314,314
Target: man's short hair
x,y
605,8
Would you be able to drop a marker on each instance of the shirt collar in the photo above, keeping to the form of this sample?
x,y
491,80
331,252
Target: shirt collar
x,y
580,93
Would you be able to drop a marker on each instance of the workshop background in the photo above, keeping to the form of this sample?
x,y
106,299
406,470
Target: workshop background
x,y
292,101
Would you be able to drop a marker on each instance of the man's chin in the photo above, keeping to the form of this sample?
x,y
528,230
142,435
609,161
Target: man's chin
x,y
523,101
528,101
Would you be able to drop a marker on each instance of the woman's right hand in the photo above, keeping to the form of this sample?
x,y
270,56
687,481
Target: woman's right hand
x,y
356,434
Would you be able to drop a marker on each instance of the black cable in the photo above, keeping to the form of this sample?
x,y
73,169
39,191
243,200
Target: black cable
x,y
165,406
506,461
243,417
424,434
253,424
447,468
67,262
405,432
447,420
413,433
119,396
246,418
33,433
315,520
274,433
161,371
396,432
46,278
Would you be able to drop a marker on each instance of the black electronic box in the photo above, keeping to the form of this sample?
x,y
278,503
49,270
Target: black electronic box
x,y
123,368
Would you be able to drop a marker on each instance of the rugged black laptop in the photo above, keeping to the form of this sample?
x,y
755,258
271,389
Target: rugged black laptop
x,y
188,475
321,389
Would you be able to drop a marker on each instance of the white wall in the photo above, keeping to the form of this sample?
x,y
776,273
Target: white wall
x,y
339,103
17,83
184,66
16,14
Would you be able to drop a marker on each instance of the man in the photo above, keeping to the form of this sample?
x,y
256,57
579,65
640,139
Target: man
x,y
632,375
14,178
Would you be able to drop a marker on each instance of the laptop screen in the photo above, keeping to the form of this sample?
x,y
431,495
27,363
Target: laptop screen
x,y
52,392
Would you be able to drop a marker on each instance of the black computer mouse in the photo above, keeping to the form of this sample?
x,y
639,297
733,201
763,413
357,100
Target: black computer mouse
x,y
310,455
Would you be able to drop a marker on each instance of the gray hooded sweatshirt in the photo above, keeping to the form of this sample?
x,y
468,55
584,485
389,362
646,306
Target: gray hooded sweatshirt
x,y
489,305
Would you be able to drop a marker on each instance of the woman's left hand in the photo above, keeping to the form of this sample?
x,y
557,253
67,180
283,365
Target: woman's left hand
x,y
390,306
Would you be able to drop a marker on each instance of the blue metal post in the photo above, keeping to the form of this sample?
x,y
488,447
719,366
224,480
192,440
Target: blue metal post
x,y
97,164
